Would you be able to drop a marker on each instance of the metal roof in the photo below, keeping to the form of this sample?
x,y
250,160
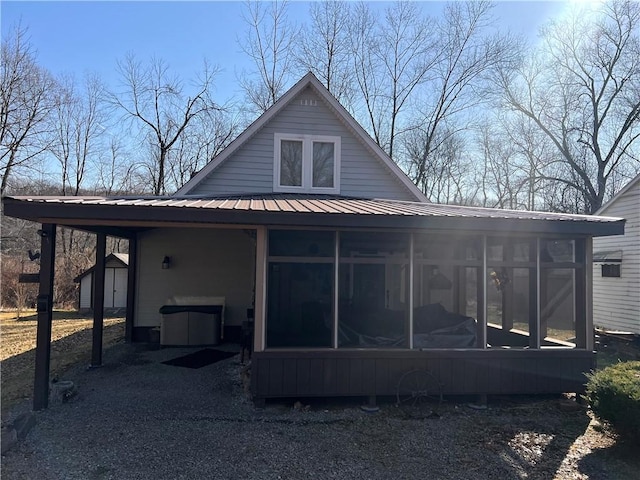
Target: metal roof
x,y
299,209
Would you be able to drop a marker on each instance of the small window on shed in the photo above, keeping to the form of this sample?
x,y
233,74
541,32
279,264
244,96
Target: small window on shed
x,y
611,270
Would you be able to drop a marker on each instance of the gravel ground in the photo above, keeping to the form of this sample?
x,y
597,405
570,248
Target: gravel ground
x,y
136,418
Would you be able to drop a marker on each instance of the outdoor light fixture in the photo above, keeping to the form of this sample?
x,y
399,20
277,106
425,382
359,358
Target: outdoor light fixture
x,y
166,262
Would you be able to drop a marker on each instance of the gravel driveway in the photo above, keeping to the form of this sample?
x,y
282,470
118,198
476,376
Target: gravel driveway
x,y
136,418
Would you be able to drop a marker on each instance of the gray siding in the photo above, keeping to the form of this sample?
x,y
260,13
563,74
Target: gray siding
x,y
204,262
250,169
616,301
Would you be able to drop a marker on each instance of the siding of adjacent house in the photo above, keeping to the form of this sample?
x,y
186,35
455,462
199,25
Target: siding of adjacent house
x,y
204,262
250,169
616,301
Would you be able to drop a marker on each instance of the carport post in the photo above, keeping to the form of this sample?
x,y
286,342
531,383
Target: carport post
x,y
131,289
98,300
45,316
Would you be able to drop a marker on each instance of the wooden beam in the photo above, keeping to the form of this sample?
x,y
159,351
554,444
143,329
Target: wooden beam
x,y
534,301
482,293
580,298
588,288
261,290
131,290
507,289
45,316
98,300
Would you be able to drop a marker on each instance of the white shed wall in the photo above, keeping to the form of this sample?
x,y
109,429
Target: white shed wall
x,y
204,262
616,301
85,291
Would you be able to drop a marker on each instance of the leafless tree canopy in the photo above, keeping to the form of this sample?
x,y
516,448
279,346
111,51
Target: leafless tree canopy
x,y
159,103
26,102
269,44
581,89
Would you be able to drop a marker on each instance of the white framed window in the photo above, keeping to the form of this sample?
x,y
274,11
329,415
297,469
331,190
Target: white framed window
x,y
306,163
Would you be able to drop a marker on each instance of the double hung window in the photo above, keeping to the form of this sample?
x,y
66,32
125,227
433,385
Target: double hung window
x,y
306,163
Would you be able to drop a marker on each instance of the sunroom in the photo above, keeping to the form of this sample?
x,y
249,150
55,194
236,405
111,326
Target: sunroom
x,y
350,311
405,290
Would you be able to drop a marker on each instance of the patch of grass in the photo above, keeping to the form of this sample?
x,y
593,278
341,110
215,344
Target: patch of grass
x,y
71,339
58,314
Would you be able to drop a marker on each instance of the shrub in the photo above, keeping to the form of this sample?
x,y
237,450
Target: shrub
x,y
613,394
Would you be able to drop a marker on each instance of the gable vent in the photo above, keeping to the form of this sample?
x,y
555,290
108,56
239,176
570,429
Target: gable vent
x,y
309,102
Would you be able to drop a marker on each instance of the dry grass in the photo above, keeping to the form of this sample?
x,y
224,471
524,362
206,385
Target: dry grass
x,y
71,344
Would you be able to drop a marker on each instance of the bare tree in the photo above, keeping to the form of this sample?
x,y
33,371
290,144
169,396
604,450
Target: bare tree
x,y
198,145
161,106
406,52
582,91
448,173
26,102
77,125
325,47
363,40
270,44
391,58
468,53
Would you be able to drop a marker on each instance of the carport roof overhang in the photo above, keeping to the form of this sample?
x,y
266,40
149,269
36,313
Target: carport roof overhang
x,y
123,215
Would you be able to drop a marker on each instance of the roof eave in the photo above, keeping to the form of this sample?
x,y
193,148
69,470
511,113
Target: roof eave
x,y
141,216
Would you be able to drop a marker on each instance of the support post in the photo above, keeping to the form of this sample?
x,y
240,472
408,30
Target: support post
x,y
533,294
131,289
507,289
581,324
98,300
45,316
261,290
482,298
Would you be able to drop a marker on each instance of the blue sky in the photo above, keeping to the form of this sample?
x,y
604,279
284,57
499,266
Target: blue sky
x,y
76,37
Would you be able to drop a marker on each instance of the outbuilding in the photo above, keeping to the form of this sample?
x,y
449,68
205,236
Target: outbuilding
x,y
115,284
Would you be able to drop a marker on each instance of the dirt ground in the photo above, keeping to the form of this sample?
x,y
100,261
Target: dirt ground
x,y
71,344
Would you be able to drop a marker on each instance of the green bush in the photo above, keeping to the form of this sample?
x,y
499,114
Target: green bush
x,y
613,394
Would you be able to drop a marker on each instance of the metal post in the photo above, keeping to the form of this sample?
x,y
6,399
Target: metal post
x,y
45,316
98,300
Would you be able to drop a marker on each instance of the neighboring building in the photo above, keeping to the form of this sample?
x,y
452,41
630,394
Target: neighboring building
x,y
616,266
115,284
352,277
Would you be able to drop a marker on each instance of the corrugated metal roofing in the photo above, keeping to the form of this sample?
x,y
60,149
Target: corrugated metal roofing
x,y
316,204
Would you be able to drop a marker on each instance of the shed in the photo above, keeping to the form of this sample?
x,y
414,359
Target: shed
x,y
115,283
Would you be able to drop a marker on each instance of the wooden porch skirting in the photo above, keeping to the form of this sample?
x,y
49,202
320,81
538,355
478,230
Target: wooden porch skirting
x,y
336,373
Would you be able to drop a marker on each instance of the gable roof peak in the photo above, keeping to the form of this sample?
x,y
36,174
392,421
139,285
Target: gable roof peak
x,y
309,79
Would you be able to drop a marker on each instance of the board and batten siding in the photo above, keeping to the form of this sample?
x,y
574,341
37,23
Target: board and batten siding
x,y
208,262
616,301
250,168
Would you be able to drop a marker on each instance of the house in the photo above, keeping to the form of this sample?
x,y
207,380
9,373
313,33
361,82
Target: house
x,y
616,266
115,284
352,279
